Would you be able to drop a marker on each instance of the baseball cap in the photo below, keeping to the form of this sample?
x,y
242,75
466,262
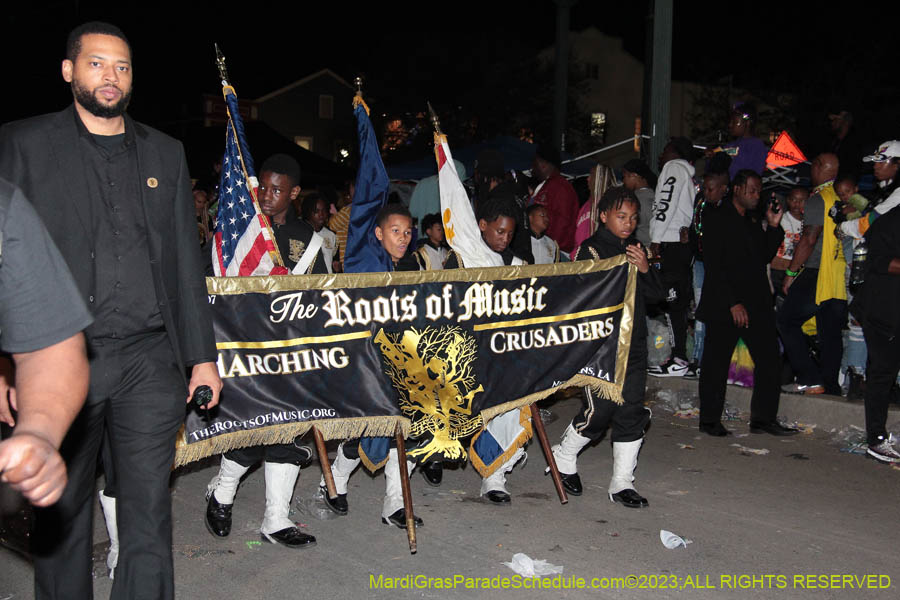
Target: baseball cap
x,y
886,151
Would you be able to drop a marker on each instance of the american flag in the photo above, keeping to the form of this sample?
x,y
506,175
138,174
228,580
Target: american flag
x,y
244,244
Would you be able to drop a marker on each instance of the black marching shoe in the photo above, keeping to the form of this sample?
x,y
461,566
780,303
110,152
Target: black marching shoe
x,y
629,498
291,537
772,428
218,517
399,519
498,497
572,483
714,429
433,472
337,505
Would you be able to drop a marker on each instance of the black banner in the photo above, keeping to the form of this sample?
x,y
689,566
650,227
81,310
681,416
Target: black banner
x,y
436,353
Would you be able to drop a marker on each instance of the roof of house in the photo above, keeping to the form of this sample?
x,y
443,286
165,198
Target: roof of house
x,y
303,81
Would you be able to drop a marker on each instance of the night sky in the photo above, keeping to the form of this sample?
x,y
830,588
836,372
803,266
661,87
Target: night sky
x,y
409,54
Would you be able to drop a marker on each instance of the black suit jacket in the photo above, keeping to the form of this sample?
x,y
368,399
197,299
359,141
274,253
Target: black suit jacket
x,y
41,156
736,252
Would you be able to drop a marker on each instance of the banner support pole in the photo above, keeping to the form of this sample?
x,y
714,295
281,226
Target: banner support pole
x,y
325,464
407,493
541,434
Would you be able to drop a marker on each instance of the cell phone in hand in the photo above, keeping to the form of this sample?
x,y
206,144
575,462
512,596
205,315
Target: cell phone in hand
x,y
774,204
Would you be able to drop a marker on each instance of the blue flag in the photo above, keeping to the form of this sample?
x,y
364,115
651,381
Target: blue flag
x,y
364,253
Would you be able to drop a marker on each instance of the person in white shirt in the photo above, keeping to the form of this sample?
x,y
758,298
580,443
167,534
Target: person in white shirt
x,y
792,223
314,211
544,249
673,211
433,251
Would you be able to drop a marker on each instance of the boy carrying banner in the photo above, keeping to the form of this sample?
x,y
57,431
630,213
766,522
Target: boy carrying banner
x,y
393,229
377,240
499,446
299,246
619,212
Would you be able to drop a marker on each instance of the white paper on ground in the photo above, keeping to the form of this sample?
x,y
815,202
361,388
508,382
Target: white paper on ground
x,y
672,541
525,566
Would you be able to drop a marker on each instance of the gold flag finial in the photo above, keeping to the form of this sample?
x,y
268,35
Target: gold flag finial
x,y
358,81
220,62
434,119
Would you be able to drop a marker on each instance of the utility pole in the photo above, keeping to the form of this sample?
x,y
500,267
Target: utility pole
x,y
660,79
561,79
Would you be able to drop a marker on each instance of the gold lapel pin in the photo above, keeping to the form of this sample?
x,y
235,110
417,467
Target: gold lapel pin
x,y
152,182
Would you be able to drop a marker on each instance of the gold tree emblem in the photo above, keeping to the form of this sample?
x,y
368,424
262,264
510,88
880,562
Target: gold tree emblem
x,y
432,371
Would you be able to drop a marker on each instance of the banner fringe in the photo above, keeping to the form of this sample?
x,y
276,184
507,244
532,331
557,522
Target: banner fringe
x,y
604,389
520,441
331,429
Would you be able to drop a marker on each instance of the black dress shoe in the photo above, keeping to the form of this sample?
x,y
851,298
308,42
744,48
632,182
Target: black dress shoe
x,y
399,519
218,517
714,429
630,498
572,483
773,428
433,473
498,497
291,537
337,505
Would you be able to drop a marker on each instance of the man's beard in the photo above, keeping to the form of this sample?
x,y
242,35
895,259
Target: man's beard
x,y
88,100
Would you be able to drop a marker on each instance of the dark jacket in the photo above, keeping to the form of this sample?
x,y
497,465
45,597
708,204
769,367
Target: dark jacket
x,y
650,289
736,251
877,301
293,239
41,156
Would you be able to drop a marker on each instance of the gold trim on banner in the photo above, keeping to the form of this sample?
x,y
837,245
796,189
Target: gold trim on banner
x,y
288,283
331,429
553,319
626,325
324,339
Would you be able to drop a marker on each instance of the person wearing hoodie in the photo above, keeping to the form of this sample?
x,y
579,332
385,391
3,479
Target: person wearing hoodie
x,y
673,212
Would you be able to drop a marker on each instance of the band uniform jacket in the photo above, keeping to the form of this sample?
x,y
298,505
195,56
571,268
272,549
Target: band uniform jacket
x,y
41,155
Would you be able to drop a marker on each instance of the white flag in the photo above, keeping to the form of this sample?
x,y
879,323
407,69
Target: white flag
x,y
460,225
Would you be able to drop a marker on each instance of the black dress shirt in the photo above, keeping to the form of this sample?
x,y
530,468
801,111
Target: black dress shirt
x,y
125,302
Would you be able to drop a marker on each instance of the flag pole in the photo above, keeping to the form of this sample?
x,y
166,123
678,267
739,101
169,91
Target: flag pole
x,y
226,88
434,119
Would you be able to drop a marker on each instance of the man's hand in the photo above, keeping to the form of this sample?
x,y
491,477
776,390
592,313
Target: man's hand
x,y
205,374
773,218
654,249
635,255
788,280
7,391
31,465
739,314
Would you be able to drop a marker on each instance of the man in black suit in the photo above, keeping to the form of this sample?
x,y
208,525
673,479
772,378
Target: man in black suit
x,y
736,302
116,199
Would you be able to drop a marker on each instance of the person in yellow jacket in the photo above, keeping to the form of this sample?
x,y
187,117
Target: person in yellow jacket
x,y
814,286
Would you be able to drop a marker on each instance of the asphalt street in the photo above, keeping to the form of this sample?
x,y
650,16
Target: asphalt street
x,y
767,517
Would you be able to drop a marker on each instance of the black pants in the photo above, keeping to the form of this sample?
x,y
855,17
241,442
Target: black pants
x,y
137,393
629,420
762,341
831,316
881,373
679,281
273,453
